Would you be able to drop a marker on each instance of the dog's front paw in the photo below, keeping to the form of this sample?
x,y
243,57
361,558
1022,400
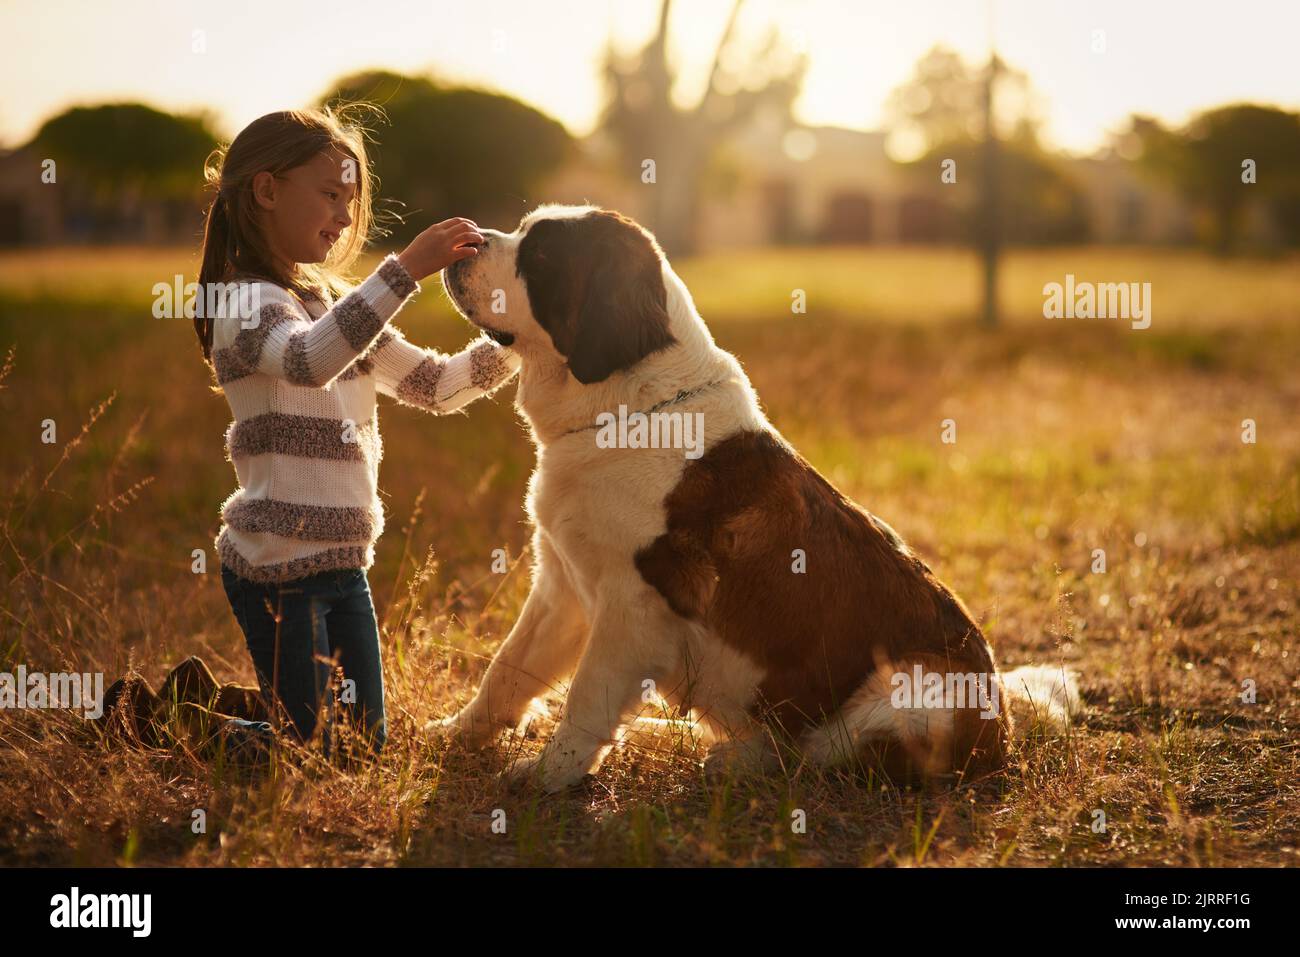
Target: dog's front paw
x,y
460,728
543,769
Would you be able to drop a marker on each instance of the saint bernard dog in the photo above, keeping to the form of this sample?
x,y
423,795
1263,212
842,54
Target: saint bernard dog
x,y
719,570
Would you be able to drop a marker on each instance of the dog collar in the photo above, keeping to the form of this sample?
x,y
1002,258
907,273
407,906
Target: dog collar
x,y
681,396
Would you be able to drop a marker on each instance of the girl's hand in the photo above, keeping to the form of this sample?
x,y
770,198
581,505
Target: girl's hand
x,y
439,246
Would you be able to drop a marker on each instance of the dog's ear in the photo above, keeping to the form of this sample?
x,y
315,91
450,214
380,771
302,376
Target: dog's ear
x,y
596,285
624,315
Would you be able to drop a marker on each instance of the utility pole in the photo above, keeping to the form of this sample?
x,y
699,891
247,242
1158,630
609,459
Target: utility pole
x,y
990,233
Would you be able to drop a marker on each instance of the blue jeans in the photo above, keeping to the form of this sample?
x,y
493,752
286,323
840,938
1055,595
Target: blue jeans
x,y
296,629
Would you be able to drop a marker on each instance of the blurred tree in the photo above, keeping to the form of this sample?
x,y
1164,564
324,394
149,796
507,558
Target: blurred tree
x,y
452,151
128,147
941,111
1204,161
943,102
646,124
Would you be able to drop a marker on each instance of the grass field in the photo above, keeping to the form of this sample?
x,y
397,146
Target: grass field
x,y
1071,436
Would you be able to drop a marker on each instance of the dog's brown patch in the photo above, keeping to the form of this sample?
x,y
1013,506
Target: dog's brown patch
x,y
865,601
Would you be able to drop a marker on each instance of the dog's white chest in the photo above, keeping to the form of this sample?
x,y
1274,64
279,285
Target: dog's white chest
x,y
600,506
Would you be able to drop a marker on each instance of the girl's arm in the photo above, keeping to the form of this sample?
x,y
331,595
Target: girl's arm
x,y
281,343
435,382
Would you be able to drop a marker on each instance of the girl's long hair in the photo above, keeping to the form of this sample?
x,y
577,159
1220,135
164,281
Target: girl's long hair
x,y
233,242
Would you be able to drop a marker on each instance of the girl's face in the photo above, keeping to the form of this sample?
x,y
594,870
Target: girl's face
x,y
303,210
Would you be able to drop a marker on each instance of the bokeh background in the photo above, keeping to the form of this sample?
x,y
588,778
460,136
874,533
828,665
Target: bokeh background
x,y
795,148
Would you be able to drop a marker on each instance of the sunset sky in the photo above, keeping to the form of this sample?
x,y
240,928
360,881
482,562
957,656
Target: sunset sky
x,y
1163,57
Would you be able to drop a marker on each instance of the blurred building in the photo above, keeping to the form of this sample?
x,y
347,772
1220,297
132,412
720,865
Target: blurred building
x,y
66,211
778,185
1125,207
771,184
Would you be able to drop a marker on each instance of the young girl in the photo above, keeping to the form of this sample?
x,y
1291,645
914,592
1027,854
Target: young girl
x,y
292,211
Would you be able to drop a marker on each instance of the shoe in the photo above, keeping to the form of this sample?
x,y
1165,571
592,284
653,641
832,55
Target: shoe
x,y
246,742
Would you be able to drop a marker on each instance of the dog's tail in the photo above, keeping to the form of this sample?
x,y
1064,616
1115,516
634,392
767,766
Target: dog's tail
x,y
1041,696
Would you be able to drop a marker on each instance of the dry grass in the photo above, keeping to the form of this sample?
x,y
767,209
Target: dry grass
x,y
1071,437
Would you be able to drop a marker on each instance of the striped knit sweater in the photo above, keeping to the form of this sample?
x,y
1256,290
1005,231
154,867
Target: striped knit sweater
x,y
301,383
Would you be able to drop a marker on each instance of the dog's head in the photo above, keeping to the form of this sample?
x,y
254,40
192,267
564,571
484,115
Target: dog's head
x,y
583,284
